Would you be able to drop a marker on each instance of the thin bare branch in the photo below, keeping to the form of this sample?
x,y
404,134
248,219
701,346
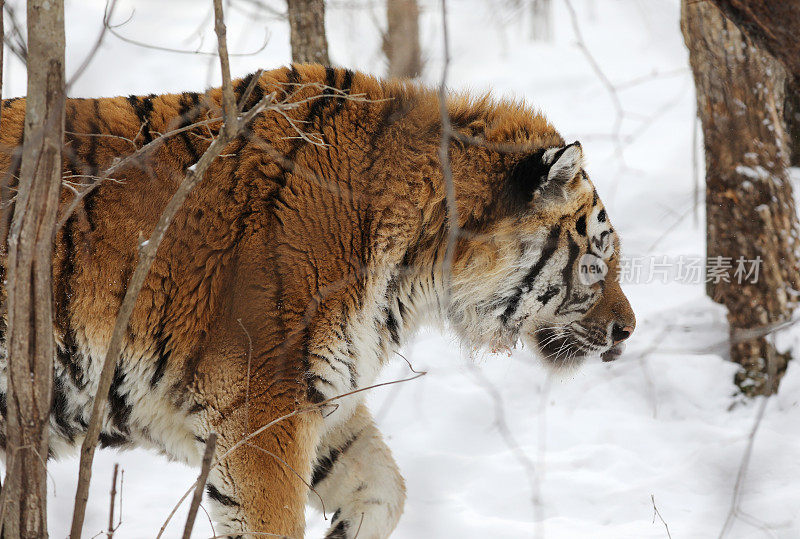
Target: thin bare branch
x,y
113,31
111,527
15,38
200,484
609,86
249,90
228,99
511,442
107,14
656,512
444,159
249,366
735,508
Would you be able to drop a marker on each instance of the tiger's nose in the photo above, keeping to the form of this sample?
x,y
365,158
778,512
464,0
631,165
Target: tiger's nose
x,y
620,333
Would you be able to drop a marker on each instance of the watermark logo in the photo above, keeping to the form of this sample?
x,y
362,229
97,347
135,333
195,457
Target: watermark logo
x,y
689,269
591,269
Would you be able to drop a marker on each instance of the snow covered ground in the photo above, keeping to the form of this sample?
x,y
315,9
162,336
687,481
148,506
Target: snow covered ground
x,y
584,456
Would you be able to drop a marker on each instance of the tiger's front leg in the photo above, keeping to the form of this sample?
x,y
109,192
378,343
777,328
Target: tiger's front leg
x,y
358,480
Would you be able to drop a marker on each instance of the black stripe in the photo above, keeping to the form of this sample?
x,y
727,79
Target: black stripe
x,y
567,275
196,408
89,202
120,410
318,104
255,96
162,355
113,440
217,496
550,246
314,395
580,225
293,76
550,293
65,274
8,102
347,82
67,355
392,326
143,107
91,152
324,466
188,112
59,410
241,85
339,531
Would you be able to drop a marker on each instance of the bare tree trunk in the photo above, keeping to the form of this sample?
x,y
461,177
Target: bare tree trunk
x,y
31,346
541,20
773,25
401,41
307,31
750,211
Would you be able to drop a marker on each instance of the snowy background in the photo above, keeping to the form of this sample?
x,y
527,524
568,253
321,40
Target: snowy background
x,y
582,456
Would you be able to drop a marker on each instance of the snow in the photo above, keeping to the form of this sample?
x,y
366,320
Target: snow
x,y
662,421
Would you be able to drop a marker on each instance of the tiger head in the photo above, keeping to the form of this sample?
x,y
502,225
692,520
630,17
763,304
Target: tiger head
x,y
546,271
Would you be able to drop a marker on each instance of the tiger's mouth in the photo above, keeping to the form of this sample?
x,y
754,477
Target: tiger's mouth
x,y
558,346
613,353
561,346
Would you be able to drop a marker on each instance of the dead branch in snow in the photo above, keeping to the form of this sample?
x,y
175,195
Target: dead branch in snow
x,y
513,445
200,484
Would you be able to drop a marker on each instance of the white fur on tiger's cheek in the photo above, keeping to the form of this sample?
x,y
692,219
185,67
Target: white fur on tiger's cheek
x,y
601,237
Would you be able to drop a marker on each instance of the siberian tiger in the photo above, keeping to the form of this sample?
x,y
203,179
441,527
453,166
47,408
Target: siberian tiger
x,y
299,264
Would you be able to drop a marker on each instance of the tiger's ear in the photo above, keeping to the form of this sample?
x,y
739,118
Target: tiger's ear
x,y
565,163
545,172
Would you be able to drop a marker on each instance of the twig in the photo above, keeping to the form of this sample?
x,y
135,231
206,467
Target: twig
x,y
144,45
200,484
511,441
230,126
541,455
656,512
249,90
2,41
651,388
735,509
249,365
444,158
210,522
259,534
111,528
695,171
609,86
107,13
19,46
